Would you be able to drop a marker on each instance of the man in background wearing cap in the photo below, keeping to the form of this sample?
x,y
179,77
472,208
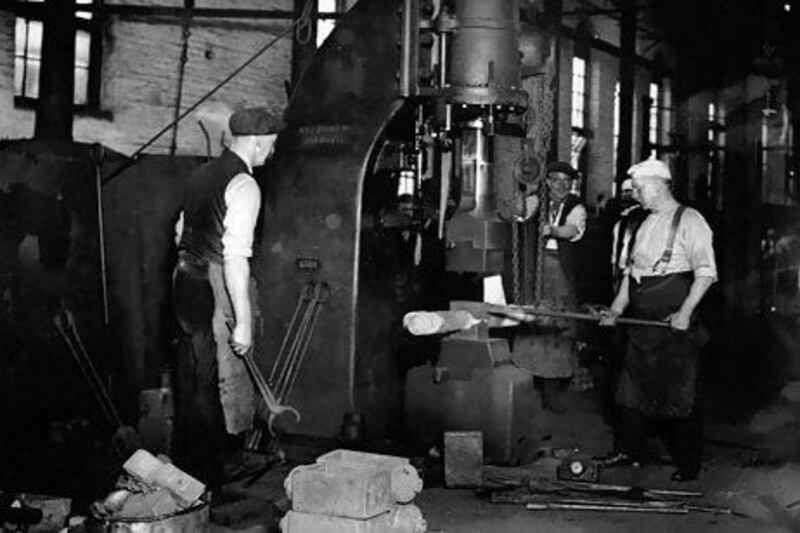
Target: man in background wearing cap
x,y
211,297
672,266
624,232
550,356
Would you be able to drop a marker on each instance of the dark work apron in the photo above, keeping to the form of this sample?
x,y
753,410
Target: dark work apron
x,y
659,375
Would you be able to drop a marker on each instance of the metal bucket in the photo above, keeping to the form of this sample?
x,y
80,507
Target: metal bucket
x,y
192,520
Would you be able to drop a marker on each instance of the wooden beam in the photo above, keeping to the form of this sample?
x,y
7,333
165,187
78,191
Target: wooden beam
x,y
137,10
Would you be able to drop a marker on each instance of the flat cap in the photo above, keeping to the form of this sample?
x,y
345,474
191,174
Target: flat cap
x,y
652,168
564,168
254,121
627,185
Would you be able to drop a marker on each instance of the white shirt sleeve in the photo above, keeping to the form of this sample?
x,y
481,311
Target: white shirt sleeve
x,y
577,217
243,201
700,249
179,229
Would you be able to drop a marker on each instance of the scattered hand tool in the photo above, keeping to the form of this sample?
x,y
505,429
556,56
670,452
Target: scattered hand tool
x,y
125,436
632,508
624,491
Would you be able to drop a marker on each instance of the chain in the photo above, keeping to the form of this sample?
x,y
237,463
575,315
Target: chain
x,y
516,265
185,35
539,119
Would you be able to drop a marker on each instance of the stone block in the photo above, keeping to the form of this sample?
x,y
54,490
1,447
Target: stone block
x,y
352,484
463,458
150,469
402,519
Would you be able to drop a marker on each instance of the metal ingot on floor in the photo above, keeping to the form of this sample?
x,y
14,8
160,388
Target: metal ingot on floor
x,y
352,484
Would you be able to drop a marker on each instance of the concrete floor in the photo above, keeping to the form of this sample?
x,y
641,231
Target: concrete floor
x,y
740,472
764,494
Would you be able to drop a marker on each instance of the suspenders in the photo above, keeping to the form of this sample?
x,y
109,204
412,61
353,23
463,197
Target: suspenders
x,y
667,255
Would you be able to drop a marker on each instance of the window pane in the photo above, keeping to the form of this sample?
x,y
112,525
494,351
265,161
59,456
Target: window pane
x,y
34,39
654,113
81,85
326,6
19,70
82,41
324,28
19,37
84,14
616,126
32,78
578,91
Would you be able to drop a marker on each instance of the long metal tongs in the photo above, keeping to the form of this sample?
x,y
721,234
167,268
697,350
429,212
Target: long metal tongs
x,y
273,405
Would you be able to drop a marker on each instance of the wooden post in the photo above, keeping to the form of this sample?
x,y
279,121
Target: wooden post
x,y
54,111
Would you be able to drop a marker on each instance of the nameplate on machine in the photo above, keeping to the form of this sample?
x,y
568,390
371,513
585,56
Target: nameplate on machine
x,y
307,263
322,137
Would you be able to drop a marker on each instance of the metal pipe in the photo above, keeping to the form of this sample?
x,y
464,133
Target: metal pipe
x,y
442,60
407,52
523,314
98,161
613,508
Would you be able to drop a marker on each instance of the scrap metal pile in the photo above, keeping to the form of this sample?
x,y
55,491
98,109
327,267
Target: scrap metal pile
x,y
151,487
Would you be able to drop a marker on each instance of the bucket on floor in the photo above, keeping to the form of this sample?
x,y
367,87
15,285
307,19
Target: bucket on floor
x,y
195,519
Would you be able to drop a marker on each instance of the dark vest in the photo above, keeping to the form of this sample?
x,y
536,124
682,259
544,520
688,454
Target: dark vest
x,y
567,250
204,206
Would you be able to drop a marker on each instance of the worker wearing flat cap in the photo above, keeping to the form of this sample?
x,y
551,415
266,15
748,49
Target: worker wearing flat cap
x,y
551,357
671,267
211,296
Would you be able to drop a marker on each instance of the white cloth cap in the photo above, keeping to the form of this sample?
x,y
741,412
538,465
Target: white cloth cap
x,y
652,168
627,185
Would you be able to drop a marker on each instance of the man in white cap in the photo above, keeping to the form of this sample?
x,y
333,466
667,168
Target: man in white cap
x,y
671,267
211,297
631,215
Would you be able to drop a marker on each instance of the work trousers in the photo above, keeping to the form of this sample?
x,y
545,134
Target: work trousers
x,y
682,436
203,445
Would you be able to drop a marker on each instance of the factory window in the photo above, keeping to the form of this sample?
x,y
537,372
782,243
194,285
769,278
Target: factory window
x,y
578,92
616,126
29,31
580,135
327,13
716,155
653,118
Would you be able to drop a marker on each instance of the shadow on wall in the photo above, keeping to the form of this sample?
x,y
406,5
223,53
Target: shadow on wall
x,y
50,259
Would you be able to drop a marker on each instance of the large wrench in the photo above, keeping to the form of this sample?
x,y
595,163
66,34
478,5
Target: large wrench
x,y
273,406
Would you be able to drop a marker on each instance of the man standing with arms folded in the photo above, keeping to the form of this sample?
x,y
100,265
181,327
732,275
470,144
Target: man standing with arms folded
x,y
671,267
211,296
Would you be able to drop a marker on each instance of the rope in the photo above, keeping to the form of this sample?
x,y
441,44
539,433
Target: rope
x,y
132,159
304,30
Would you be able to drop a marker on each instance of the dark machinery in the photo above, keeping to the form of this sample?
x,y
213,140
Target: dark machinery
x,y
396,171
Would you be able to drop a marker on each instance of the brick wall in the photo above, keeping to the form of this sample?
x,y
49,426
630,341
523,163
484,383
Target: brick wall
x,y
141,58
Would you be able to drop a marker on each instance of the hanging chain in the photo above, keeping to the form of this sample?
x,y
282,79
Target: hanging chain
x,y
516,265
185,35
539,119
